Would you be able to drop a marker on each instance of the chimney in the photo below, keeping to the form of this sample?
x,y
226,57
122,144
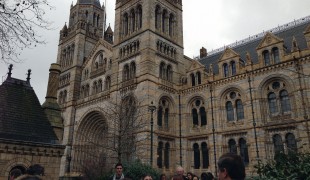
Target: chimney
x,y
203,52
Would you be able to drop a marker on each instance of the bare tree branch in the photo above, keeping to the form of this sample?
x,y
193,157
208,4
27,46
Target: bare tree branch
x,y
18,21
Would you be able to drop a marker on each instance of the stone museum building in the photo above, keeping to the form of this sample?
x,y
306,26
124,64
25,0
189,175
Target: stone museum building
x,y
251,97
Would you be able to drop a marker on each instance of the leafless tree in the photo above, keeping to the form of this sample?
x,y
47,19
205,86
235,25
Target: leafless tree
x,y
18,21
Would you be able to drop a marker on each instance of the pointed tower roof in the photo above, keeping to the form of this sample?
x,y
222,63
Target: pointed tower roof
x,y
109,30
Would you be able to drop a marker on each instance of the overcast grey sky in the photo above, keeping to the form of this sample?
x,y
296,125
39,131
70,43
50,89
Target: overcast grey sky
x,y
208,23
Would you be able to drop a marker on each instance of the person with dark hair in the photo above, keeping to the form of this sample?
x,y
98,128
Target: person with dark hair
x,y
163,177
118,172
15,173
195,177
207,176
147,177
231,167
190,176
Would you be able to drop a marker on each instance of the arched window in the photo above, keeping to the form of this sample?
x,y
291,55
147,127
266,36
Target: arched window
x,y
169,73
81,93
171,24
164,21
275,53
266,57
225,70
94,19
233,68
132,70
244,151
126,72
160,155
163,112
162,70
291,142
60,97
98,20
99,85
126,24
272,102
108,83
166,117
139,16
94,88
167,155
195,117
240,111
232,146
198,74
133,21
205,155
87,90
285,101
160,116
157,17
193,79
203,116
229,111
196,156
278,144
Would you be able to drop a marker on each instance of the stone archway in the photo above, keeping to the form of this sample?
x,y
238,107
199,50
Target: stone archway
x,y
90,142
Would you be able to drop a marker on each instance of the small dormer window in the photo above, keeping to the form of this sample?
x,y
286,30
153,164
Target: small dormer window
x,y
275,53
266,57
225,70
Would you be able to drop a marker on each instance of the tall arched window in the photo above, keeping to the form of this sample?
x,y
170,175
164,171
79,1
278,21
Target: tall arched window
x,y
171,24
225,70
169,73
196,156
126,72
240,111
164,21
275,54
266,57
278,144
291,142
244,150
157,17
108,83
98,20
233,68
230,111
198,74
160,116
195,117
232,146
99,85
162,70
160,154
60,97
133,21
167,155
193,79
95,87
203,116
272,101
166,117
139,11
285,101
132,70
126,23
205,155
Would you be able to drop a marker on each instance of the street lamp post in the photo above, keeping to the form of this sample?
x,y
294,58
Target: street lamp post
x,y
152,108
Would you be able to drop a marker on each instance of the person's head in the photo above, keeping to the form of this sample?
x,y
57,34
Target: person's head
x,y
119,169
179,170
189,175
231,166
177,177
195,177
162,177
15,173
147,177
207,176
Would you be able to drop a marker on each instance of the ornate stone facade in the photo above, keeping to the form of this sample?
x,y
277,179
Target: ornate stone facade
x,y
251,98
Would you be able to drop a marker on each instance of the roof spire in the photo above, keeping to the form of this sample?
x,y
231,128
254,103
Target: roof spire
x,y
28,76
10,70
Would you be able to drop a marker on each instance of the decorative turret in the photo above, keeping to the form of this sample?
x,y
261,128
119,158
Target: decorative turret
x,y
108,35
50,106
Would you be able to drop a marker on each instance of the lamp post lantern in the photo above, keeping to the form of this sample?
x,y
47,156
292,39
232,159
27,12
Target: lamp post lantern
x,y
152,108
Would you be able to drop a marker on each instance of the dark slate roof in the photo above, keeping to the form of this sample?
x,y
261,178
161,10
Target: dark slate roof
x,y
21,115
287,35
93,2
